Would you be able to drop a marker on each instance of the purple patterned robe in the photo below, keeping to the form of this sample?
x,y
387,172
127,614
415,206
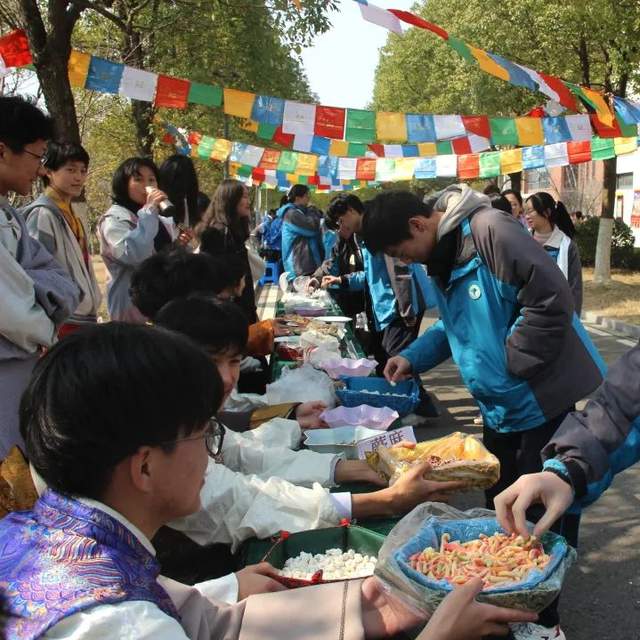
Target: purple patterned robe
x,y
63,557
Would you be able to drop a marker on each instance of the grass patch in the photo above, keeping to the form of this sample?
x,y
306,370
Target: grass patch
x,y
620,299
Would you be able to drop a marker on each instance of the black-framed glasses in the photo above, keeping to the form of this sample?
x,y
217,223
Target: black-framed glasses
x,y
41,159
213,437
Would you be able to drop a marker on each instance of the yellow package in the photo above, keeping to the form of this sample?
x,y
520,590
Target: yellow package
x,y
459,456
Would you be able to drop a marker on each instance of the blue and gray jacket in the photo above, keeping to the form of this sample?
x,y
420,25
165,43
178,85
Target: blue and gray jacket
x,y
593,445
393,288
302,248
506,317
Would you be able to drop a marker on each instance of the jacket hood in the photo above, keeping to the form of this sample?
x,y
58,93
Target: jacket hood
x,y
458,202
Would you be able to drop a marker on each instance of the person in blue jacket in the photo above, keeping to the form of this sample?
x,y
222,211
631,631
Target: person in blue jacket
x,y
302,248
588,450
393,290
506,317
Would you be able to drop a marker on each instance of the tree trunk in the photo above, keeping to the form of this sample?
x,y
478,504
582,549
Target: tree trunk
x,y
53,77
516,181
143,113
602,272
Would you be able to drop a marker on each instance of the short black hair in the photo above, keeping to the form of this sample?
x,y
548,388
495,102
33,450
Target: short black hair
x,y
218,326
516,194
120,181
499,202
173,274
105,391
339,206
491,188
386,218
297,191
59,153
22,123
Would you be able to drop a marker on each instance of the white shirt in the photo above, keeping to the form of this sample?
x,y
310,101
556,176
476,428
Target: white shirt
x,y
139,619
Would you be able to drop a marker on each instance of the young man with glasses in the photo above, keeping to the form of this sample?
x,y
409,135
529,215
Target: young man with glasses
x,y
37,294
114,477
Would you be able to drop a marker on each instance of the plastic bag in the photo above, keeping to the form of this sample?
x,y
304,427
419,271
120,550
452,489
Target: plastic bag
x,y
470,461
304,384
424,526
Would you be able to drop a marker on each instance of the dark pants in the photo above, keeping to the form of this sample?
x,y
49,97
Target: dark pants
x,y
519,454
393,339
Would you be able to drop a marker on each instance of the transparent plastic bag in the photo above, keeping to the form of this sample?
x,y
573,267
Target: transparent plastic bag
x,y
461,456
304,384
422,528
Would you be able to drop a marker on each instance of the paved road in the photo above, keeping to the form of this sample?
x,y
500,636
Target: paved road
x,y
601,600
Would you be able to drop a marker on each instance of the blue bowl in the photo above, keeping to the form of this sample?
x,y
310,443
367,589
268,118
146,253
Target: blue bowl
x,y
403,397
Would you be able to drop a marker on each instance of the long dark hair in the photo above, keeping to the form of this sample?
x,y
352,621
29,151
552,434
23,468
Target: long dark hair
x,y
557,214
178,179
222,212
120,181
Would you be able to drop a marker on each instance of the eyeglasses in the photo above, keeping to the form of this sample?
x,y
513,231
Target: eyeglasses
x,y
213,438
41,159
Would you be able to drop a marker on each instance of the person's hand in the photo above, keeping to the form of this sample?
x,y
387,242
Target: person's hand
x,y
545,487
279,329
257,578
327,281
155,197
308,415
461,617
357,471
397,368
185,237
412,489
312,285
384,615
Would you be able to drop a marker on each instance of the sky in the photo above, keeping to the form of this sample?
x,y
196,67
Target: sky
x,y
342,63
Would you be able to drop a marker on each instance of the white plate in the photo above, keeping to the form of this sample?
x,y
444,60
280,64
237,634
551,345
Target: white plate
x,y
333,318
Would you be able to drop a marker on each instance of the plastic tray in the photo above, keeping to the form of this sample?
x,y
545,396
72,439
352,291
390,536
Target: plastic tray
x,y
403,397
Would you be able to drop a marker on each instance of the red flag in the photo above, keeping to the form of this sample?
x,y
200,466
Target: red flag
x,y
172,92
14,49
329,122
604,130
461,146
285,139
478,125
417,21
468,166
378,149
270,159
366,169
566,98
579,151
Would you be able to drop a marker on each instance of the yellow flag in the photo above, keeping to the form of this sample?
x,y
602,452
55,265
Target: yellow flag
x,y
511,161
529,131
488,64
339,148
78,67
238,103
427,149
391,126
221,149
307,164
625,145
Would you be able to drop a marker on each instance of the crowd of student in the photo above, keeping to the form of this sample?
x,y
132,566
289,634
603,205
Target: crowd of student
x,y
140,429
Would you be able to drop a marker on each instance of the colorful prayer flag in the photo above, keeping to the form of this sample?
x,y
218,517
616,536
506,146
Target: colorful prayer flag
x,y
330,122
366,169
14,49
78,67
288,161
425,168
391,126
270,159
238,103
529,131
447,166
420,128
625,145
555,130
489,164
468,166
298,117
579,151
533,157
104,76
208,95
503,131
138,84
381,17
320,145
448,127
511,161
556,155
488,64
579,126
339,148
478,125
361,126
307,164
221,149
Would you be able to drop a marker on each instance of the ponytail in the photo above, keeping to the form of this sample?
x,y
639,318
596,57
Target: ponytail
x,y
558,215
297,191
